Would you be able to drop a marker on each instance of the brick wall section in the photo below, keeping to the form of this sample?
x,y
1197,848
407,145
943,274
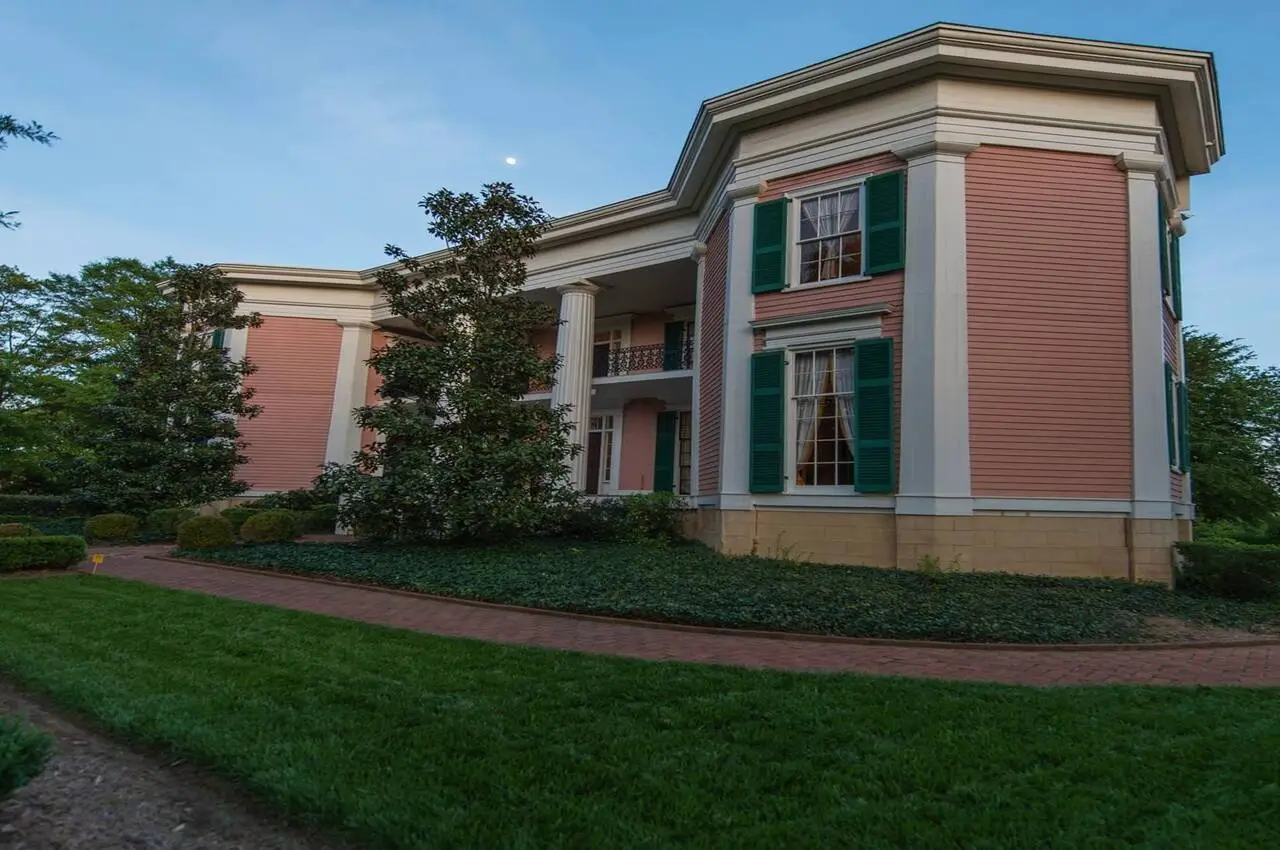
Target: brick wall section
x,y
297,362
710,342
1049,360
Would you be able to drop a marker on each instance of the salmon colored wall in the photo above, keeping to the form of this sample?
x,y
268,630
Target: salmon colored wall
x,y
710,342
1049,359
648,328
639,438
297,362
372,383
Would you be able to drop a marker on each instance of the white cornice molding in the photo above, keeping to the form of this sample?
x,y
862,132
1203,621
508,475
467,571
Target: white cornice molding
x,y
938,143
1139,163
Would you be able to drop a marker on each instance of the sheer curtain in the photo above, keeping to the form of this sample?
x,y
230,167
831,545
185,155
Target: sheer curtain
x,y
844,394
806,408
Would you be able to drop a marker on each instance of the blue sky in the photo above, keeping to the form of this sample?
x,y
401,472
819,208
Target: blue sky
x,y
300,133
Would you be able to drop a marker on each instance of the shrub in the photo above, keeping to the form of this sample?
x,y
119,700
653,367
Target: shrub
x,y
319,520
237,515
162,524
24,751
270,527
595,519
17,529
654,517
50,506
206,532
295,500
111,528
1234,570
40,552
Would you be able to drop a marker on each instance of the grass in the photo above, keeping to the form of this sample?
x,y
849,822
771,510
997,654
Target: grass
x,y
692,584
408,740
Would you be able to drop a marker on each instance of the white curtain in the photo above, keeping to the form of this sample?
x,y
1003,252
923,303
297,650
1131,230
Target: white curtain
x,y
844,394
808,369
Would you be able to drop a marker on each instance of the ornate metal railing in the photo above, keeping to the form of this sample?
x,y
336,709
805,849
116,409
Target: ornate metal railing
x,y
642,358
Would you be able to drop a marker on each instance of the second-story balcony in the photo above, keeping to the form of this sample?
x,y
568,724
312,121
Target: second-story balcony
x,y
641,359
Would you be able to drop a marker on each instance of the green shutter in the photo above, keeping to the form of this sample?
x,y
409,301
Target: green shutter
x,y
769,247
1170,415
1184,428
873,420
664,452
1162,244
886,222
1175,260
673,346
768,372
219,339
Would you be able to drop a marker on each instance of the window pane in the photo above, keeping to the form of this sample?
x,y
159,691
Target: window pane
x,y
809,272
829,268
808,252
809,219
804,373
849,211
851,255
830,214
823,417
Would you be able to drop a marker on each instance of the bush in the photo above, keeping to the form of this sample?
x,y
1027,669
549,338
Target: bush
x,y
236,516
40,552
319,520
295,500
111,528
206,532
17,529
601,520
1233,570
49,506
162,524
24,751
654,517
270,527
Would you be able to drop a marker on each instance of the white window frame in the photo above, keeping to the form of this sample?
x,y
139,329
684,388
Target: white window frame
x,y
614,466
675,463
789,472
798,197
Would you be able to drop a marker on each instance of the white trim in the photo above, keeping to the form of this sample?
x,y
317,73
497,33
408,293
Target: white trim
x,y
816,334
739,342
350,385
935,505
696,390
639,377
615,455
980,506
799,196
825,316
1118,507
789,433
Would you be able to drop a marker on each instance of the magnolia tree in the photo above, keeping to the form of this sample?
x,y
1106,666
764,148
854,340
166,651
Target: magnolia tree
x,y
459,456
168,437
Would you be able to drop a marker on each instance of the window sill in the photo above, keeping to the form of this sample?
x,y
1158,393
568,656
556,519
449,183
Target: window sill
x,y
801,287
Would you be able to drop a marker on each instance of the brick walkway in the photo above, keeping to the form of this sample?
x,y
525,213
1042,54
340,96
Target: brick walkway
x,y
1245,665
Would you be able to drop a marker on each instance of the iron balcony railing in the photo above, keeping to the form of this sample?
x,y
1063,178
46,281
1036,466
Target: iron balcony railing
x,y
610,363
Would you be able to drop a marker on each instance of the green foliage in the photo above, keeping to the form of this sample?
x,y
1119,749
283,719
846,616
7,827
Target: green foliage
x,y
1230,569
24,751
31,132
29,506
40,552
237,515
693,584
653,518
463,458
205,532
47,525
162,523
111,528
17,529
1235,430
319,520
170,434
304,499
330,723
1261,533
270,526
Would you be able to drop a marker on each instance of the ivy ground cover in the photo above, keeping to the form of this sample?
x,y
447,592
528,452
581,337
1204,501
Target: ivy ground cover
x,y
692,584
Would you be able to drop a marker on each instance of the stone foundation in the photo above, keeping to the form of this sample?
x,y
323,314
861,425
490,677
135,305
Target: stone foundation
x,y
1078,545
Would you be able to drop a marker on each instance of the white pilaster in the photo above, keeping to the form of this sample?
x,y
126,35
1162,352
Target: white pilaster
x,y
572,387
699,256
735,417
934,349
348,391
1152,493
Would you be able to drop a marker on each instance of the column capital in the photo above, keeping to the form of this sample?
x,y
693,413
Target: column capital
x,y
583,287
698,251
934,145
1139,163
741,191
356,323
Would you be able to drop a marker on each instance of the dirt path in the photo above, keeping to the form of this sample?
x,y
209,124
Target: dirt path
x,y
97,795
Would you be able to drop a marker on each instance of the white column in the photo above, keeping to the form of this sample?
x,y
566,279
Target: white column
x,y
348,391
739,342
572,386
699,256
1152,493
934,350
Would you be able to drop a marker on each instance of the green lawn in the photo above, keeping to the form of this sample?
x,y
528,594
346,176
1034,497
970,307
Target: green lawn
x,y
408,740
692,584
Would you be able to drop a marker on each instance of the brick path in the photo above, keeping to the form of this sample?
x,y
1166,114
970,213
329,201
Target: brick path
x,y
1244,665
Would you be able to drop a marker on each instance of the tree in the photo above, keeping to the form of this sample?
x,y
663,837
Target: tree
x,y
460,456
32,132
169,434
1235,429
61,340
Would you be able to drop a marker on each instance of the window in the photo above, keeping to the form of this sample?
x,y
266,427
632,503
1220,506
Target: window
x,y
684,453
606,343
600,445
829,238
823,403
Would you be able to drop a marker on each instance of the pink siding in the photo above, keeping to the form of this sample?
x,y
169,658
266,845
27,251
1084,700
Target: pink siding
x,y
639,436
372,384
297,362
857,168
710,341
1049,360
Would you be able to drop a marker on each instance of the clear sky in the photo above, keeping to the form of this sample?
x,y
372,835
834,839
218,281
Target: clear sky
x,y
303,133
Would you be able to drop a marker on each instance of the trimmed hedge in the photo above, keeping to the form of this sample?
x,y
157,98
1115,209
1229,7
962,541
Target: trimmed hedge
x,y
24,751
1233,570
162,524
17,529
319,520
111,528
206,532
276,526
236,516
48,552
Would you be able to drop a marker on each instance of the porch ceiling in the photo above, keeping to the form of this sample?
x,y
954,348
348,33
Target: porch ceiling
x,y
646,290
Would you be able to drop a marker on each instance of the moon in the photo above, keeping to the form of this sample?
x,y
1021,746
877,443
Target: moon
x,y
511,160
